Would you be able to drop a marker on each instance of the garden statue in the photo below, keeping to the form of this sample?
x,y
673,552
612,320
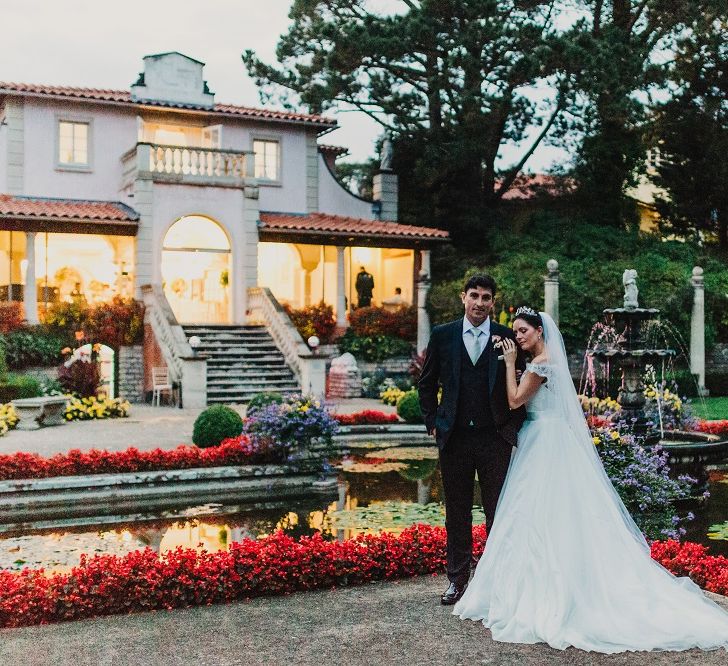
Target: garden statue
x,y
629,279
386,160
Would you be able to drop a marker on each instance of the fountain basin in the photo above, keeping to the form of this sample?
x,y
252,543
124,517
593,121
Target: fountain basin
x,y
694,447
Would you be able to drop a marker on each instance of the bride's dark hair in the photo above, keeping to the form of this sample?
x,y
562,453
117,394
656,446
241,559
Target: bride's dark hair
x,y
529,315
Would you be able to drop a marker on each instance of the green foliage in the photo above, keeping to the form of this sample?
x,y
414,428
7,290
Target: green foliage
x,y
450,80
14,387
408,407
3,365
591,262
31,347
692,133
713,408
263,399
373,348
215,424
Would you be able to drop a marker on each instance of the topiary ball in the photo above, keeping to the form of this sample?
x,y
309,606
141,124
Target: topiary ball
x,y
408,407
215,424
260,400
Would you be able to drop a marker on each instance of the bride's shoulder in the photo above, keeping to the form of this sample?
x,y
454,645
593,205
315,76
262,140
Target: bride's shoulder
x,y
540,366
541,359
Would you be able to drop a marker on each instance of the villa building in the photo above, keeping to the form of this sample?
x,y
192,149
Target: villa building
x,y
197,205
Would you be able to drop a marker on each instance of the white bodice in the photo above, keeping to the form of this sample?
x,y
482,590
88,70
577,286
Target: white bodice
x,y
543,402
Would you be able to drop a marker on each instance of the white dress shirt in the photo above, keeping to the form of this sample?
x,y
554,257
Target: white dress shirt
x,y
469,338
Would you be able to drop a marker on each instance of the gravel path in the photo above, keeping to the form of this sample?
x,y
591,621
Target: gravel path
x,y
382,623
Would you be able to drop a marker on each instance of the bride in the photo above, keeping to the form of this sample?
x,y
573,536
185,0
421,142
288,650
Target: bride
x,y
565,564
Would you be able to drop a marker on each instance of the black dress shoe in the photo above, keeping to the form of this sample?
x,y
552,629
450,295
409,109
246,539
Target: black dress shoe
x,y
453,594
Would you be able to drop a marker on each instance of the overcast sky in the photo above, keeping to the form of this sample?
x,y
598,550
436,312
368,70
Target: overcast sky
x,y
100,44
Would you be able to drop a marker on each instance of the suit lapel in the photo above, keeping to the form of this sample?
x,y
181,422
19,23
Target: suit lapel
x,y
456,347
492,361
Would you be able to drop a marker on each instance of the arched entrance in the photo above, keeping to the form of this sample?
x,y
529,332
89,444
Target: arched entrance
x,y
196,271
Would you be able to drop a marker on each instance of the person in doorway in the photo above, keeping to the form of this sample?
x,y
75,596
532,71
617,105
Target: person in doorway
x,y
364,288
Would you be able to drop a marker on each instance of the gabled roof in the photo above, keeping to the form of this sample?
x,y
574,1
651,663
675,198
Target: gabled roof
x,y
341,230
25,213
125,97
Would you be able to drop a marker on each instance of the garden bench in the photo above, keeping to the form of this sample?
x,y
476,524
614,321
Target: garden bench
x,y
46,410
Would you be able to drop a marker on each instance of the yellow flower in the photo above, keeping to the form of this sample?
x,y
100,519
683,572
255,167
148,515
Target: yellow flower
x,y
615,435
596,440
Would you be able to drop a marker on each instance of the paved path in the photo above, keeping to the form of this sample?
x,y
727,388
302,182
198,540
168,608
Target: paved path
x,y
146,428
379,624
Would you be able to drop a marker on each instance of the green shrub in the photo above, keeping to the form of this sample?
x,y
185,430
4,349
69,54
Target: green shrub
x,y
15,387
408,407
315,320
32,347
717,383
263,400
373,348
215,424
3,365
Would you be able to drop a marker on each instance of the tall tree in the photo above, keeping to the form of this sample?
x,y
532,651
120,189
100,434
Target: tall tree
x,y
614,55
452,80
692,135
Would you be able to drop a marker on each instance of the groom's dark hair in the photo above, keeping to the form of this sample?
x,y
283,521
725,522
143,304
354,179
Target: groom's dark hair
x,y
480,280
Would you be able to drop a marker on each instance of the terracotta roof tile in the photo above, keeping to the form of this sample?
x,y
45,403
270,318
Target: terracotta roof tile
x,y
338,151
65,209
322,223
532,185
124,97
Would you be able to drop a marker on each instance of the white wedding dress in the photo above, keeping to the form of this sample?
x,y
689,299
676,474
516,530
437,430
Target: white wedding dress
x,y
565,564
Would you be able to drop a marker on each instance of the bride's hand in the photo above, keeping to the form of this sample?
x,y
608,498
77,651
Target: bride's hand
x,y
510,351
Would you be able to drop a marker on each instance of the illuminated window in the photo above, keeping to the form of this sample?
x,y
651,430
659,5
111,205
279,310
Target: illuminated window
x,y
267,159
73,143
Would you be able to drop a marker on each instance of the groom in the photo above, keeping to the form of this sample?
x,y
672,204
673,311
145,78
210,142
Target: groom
x,y
473,425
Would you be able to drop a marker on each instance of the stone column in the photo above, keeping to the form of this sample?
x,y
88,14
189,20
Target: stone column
x,y
341,321
551,290
423,287
385,191
697,330
30,292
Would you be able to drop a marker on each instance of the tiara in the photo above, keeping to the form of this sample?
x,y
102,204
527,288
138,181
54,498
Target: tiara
x,y
527,311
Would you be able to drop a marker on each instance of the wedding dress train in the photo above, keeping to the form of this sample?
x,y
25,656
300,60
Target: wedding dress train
x,y
564,563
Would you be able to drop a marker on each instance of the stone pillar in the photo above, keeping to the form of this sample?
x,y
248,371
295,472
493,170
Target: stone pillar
x,y
385,192
313,375
551,290
245,247
697,330
423,287
131,373
30,292
341,321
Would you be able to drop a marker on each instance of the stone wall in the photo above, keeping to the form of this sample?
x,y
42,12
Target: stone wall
x,y
131,373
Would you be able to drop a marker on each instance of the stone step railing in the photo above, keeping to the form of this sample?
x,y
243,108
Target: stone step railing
x,y
188,163
185,367
308,367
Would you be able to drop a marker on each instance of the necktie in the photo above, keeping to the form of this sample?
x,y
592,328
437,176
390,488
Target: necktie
x,y
475,349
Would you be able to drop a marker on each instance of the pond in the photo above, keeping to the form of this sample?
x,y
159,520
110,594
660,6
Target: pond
x,y
379,488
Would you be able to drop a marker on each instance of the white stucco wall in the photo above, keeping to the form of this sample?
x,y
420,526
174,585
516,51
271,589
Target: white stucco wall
x,y
290,195
334,198
113,131
3,152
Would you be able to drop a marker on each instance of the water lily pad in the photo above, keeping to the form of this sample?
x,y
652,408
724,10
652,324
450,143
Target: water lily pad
x,y
394,515
718,532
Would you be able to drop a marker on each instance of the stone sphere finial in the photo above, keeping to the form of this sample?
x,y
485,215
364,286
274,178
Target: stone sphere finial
x,y
552,265
697,271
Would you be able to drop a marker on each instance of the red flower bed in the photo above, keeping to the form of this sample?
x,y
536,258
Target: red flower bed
x,y
278,564
692,559
713,427
366,417
237,451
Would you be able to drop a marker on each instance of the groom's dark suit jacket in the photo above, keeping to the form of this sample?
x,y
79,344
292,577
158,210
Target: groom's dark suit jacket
x,y
442,367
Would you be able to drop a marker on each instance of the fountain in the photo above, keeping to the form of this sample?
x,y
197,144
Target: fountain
x,y
689,452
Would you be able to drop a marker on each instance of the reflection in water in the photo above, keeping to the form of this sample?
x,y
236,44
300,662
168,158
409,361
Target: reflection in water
x,y
400,493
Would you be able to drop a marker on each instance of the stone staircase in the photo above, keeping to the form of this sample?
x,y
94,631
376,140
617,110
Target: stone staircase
x,y
241,361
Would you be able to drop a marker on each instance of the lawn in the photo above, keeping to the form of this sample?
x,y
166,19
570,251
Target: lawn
x,y
710,408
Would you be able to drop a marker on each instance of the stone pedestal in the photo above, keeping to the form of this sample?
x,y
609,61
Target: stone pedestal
x,y
131,373
551,290
344,378
697,330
